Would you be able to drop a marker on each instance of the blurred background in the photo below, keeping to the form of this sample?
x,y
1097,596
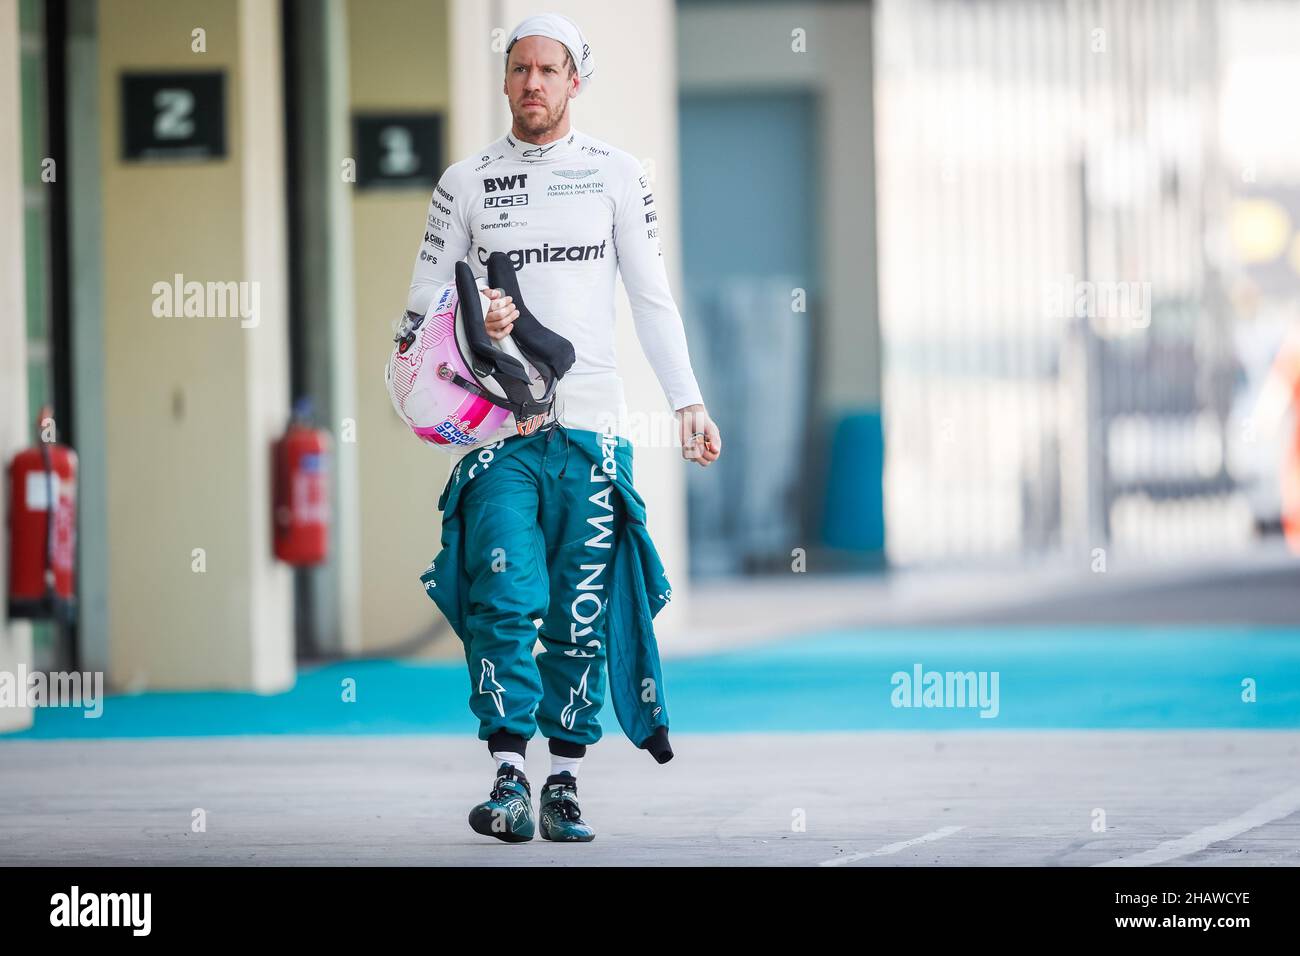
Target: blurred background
x,y
991,299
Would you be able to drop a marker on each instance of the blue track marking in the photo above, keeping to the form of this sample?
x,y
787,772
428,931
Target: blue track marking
x,y
1048,678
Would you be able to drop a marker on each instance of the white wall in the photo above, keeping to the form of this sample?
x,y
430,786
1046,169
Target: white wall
x,y
15,638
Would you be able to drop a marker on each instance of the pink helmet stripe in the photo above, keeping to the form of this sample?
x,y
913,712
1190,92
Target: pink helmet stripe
x,y
472,414
478,410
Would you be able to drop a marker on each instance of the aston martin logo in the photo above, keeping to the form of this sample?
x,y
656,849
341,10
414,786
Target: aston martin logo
x,y
575,173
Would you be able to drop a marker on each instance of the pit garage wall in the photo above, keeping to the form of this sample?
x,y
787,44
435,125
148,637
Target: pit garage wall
x,y
15,638
191,405
397,62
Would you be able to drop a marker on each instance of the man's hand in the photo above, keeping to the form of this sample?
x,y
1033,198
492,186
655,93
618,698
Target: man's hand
x,y
501,314
701,440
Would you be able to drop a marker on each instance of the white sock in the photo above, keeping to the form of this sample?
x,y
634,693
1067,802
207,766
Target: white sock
x,y
561,764
506,756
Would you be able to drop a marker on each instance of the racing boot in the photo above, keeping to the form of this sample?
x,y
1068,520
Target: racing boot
x,y
561,818
507,813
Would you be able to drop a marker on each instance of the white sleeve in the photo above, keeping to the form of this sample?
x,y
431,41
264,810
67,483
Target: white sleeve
x,y
658,323
445,242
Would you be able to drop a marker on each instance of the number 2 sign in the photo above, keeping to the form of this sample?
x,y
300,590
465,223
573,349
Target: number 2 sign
x,y
173,116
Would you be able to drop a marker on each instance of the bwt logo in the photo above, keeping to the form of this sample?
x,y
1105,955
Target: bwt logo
x,y
502,183
512,199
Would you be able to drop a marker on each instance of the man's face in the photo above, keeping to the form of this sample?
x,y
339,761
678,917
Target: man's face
x,y
538,84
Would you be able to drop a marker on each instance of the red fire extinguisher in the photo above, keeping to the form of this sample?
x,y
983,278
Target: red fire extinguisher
x,y
301,499
43,527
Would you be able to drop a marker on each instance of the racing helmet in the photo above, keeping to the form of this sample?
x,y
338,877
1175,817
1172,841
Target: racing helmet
x,y
453,385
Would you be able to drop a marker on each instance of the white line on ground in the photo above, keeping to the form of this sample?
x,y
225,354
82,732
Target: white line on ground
x,y
891,847
1284,804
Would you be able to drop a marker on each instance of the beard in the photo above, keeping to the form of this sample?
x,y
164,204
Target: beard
x,y
540,124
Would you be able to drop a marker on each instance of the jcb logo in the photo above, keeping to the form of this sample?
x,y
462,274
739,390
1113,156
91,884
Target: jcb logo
x,y
513,199
502,183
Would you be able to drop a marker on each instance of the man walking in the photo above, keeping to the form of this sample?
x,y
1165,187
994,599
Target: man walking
x,y
542,538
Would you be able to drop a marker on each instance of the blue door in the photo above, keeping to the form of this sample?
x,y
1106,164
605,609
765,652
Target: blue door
x,y
749,237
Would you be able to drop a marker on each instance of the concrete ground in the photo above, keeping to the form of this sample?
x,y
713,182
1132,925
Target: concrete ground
x,y
855,799
1072,796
